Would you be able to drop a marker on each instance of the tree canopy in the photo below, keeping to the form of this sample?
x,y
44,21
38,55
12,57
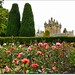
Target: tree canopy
x,y
3,21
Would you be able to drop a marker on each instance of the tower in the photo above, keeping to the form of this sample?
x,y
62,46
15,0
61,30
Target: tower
x,y
53,26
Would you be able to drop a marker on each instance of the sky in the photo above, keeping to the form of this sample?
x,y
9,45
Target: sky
x,y
61,11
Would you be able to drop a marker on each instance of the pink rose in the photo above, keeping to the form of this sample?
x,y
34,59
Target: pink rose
x,y
29,48
7,69
39,52
15,61
53,47
58,44
8,52
40,44
45,44
20,55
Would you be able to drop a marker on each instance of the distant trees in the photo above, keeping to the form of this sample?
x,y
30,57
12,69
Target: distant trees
x,y
65,30
27,26
3,19
13,21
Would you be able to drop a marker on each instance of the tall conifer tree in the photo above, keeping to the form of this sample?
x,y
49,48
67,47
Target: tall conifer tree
x,y
27,26
13,21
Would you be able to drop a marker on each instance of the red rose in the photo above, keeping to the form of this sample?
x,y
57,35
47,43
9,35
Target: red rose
x,y
25,60
16,54
34,65
13,48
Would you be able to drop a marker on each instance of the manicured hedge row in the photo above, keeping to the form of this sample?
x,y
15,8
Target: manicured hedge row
x,y
39,39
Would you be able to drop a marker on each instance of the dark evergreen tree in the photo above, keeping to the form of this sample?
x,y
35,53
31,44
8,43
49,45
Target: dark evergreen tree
x,y
13,21
27,26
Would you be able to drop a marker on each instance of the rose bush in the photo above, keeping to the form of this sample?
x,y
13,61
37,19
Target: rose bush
x,y
37,58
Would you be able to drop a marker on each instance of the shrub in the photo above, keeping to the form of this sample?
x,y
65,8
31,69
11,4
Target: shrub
x,y
39,39
47,33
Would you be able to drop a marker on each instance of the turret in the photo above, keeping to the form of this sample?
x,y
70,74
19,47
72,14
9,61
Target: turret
x,y
60,25
45,24
51,19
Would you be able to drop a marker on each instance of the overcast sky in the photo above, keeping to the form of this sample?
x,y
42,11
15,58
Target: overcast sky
x,y
61,11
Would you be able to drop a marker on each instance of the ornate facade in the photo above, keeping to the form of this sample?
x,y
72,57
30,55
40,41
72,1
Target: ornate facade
x,y
53,26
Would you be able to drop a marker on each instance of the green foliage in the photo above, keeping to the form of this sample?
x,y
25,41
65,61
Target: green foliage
x,y
3,21
1,1
72,58
27,26
47,33
19,58
39,39
13,21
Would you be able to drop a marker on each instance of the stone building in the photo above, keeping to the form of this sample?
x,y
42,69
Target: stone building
x,y
39,33
53,26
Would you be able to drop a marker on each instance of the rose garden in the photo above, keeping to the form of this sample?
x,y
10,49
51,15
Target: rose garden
x,y
21,52
42,57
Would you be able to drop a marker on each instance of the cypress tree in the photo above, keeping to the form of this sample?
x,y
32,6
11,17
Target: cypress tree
x,y
27,26
13,21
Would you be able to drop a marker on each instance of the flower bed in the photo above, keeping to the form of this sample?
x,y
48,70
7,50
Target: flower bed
x,y
36,58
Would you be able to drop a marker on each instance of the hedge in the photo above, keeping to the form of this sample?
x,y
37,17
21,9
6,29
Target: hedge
x,y
39,39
